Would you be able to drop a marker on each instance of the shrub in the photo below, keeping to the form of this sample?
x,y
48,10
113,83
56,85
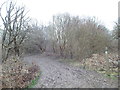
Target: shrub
x,y
98,62
17,74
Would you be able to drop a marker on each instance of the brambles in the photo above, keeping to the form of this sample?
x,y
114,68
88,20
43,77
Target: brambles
x,y
18,74
98,63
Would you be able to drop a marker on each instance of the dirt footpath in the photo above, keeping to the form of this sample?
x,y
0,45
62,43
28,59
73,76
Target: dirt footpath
x,y
59,75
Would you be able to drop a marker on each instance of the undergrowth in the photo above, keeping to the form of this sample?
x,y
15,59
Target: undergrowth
x,y
17,74
33,82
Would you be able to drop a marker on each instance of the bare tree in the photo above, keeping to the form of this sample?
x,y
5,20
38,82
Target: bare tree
x,y
35,42
60,25
77,38
15,29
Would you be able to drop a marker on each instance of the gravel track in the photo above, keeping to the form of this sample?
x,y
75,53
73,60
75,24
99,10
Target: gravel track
x,y
60,75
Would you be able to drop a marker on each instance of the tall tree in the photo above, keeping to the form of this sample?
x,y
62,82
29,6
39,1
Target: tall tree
x,y
15,29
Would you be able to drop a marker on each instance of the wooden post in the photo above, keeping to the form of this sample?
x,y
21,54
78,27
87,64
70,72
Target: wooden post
x,y
107,59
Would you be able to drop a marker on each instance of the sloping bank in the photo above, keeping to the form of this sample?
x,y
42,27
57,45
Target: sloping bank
x,y
18,74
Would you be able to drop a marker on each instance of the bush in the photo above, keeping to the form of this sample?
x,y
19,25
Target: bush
x,y
17,74
98,62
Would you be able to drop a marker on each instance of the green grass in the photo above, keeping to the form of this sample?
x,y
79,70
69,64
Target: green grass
x,y
111,75
33,82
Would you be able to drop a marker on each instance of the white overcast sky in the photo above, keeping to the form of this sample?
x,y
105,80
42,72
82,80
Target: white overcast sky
x,y
105,10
